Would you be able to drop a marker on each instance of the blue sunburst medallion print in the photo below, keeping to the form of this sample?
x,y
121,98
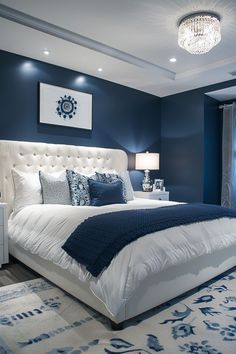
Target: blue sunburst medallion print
x,y
66,107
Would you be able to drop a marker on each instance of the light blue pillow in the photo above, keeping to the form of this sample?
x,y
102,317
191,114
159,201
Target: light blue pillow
x,y
124,175
55,188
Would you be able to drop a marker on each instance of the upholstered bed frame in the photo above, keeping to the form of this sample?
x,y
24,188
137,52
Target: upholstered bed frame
x,y
30,156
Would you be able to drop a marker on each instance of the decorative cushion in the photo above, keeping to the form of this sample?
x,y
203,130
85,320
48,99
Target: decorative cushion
x,y
107,177
79,188
102,193
124,175
55,188
27,189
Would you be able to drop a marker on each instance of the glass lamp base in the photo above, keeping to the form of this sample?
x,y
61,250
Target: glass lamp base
x,y
147,183
147,187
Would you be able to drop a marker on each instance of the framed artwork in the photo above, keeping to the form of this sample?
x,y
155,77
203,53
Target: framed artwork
x,y
158,185
61,106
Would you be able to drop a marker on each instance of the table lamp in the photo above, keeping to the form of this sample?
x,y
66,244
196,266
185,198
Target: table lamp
x,y
147,161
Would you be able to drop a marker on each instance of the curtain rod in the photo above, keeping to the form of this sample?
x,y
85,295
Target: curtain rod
x,y
226,105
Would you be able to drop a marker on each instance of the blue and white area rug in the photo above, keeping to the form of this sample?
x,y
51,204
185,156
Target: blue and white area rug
x,y
36,317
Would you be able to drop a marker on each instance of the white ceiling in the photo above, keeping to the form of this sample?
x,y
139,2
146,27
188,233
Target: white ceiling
x,y
226,94
132,40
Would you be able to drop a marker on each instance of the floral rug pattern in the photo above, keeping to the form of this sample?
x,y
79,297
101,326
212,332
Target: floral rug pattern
x,y
37,317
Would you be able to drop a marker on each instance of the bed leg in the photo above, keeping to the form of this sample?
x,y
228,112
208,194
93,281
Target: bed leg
x,y
116,326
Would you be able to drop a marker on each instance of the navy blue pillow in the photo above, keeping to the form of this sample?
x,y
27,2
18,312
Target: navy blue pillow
x,y
102,193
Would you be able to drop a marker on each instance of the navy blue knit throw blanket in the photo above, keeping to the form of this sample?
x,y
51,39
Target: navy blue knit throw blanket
x,y
98,239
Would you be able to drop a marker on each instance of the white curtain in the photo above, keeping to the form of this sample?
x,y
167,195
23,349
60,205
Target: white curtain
x,y
228,192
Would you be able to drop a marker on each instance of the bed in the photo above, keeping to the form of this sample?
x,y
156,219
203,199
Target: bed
x,y
150,291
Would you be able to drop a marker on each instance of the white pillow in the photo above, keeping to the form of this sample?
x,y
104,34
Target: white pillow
x,y
128,186
27,189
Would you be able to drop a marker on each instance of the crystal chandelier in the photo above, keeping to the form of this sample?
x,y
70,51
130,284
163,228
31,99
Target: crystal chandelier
x,y
199,32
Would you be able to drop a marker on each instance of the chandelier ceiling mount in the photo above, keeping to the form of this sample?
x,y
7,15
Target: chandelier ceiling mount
x,y
199,32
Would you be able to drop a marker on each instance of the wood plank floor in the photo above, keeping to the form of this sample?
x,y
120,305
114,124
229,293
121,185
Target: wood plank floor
x,y
15,272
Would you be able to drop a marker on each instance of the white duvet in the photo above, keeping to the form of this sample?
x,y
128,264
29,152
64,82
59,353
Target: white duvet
x,y
42,229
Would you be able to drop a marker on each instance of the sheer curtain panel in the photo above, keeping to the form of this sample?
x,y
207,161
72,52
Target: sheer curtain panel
x,y
228,192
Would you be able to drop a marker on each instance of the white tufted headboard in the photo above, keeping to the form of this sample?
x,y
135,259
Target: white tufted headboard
x,y
30,156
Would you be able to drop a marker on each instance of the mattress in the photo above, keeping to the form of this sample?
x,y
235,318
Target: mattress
x,y
42,229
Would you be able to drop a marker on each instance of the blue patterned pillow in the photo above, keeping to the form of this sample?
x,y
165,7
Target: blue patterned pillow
x,y
111,177
79,188
106,177
103,193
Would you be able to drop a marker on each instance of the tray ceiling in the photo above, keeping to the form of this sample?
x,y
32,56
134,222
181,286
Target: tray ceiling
x,y
132,40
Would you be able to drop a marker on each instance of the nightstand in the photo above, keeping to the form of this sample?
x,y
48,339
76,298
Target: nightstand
x,y
4,257
160,195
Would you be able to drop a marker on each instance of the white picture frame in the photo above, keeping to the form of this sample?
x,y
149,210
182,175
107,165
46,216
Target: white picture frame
x,y
158,185
65,107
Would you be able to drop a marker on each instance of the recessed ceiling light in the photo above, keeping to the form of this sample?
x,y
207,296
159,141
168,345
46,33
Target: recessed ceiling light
x,y
173,60
100,69
46,51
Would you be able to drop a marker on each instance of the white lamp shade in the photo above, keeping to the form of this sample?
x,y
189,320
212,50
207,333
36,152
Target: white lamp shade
x,y
147,161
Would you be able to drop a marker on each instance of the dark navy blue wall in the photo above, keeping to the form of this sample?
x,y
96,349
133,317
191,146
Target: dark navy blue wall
x,y
185,128
122,117
212,150
190,150
182,145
